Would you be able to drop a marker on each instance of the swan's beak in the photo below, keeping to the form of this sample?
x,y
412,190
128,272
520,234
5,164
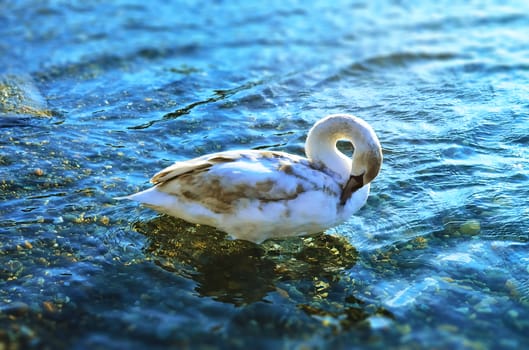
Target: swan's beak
x,y
354,183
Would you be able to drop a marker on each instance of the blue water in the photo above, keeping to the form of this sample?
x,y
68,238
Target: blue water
x,y
95,97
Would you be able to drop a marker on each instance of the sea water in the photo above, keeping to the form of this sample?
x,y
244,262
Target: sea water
x,y
96,97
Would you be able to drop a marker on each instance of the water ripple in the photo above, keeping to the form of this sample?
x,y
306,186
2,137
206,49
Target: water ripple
x,y
96,97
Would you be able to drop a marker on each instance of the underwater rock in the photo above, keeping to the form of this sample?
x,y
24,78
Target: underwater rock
x,y
470,227
15,309
20,97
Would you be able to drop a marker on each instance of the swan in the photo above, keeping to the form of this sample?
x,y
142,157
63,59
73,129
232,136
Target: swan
x,y
256,195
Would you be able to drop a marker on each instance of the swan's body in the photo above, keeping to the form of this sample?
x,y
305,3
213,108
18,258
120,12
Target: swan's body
x,y
256,195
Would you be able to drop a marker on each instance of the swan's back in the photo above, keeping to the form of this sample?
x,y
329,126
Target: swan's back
x,y
255,195
252,195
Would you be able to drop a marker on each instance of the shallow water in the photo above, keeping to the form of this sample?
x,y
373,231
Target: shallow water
x,y
96,97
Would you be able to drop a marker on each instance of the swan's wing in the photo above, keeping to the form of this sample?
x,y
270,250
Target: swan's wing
x,y
192,166
221,179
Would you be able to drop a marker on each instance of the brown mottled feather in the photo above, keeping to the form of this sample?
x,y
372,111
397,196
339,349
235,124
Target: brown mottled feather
x,y
189,167
194,181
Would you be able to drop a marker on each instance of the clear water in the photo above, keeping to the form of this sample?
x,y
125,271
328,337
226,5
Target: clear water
x,y
95,97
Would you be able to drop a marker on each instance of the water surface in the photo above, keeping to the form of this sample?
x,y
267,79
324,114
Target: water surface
x,y
97,97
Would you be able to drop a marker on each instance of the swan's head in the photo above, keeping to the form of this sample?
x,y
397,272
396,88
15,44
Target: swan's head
x,y
367,156
366,166
366,162
369,163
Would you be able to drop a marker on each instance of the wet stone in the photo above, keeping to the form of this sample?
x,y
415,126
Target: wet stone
x,y
470,227
15,308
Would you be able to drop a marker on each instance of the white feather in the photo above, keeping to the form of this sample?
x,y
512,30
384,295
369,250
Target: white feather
x,y
256,195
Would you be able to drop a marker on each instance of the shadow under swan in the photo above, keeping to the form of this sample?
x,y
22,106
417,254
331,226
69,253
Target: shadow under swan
x,y
241,272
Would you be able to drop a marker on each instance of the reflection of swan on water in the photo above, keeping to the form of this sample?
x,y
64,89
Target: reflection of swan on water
x,y
256,195
277,279
240,272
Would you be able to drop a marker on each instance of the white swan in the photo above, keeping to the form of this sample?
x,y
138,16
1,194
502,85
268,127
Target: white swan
x,y
256,195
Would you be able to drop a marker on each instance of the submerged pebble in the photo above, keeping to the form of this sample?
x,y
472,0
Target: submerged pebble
x,y
470,227
15,308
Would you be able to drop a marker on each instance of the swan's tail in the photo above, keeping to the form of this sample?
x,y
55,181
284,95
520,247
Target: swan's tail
x,y
151,197
122,198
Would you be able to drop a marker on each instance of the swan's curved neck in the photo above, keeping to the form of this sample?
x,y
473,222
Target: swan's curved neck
x,y
321,149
